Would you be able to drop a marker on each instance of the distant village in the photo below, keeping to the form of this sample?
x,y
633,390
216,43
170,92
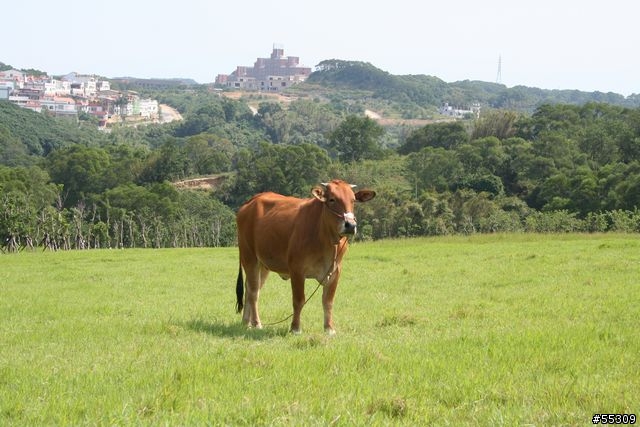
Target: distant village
x,y
69,95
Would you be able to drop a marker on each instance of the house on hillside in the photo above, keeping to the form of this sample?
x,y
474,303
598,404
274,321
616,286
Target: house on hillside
x,y
60,106
98,109
267,74
460,113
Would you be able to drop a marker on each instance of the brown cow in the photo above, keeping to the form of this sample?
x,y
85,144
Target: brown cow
x,y
298,239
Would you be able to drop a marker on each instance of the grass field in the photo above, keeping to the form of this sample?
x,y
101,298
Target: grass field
x,y
486,330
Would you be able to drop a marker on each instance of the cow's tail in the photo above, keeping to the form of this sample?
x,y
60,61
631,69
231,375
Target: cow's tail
x,y
239,290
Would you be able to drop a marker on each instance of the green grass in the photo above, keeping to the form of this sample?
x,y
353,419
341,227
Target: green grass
x,y
486,330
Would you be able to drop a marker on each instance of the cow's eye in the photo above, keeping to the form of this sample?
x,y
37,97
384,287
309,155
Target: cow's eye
x,y
332,200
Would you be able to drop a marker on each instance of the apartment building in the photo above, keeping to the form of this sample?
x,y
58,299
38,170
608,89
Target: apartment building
x,y
267,74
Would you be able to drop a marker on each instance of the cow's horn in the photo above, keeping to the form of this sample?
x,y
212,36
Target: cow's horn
x,y
353,185
324,184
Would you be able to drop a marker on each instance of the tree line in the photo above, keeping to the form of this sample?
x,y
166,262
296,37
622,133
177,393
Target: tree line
x,y
562,168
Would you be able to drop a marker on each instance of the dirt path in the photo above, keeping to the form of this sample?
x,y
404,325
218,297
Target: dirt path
x,y
204,183
169,114
372,115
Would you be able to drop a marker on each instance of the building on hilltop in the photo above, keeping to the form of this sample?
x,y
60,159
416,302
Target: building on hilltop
x,y
267,74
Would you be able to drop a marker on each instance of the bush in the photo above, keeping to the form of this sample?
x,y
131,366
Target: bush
x,y
624,221
561,221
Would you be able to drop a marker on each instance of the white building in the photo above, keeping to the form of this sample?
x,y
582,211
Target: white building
x,y
460,113
82,85
54,87
146,108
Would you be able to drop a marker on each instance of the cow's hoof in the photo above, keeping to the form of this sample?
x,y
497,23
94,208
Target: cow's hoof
x,y
330,332
296,331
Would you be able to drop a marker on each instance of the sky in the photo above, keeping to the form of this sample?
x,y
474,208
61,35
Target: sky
x,y
549,44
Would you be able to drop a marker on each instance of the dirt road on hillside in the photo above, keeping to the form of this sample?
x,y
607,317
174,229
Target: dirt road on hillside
x,y
169,114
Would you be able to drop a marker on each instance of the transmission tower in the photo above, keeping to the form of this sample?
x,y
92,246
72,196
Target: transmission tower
x,y
499,76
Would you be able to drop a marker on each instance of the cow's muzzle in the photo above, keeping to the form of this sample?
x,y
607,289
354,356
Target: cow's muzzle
x,y
349,226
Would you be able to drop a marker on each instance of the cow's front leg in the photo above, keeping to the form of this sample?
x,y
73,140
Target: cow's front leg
x,y
328,293
297,293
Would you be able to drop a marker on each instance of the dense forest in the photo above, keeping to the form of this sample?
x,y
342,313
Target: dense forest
x,y
561,167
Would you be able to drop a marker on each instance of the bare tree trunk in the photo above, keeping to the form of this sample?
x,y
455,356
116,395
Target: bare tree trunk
x,y
28,242
108,222
116,233
157,226
121,244
11,244
215,231
132,242
78,222
143,230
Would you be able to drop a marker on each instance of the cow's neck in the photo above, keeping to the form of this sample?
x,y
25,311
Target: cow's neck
x,y
326,226
337,257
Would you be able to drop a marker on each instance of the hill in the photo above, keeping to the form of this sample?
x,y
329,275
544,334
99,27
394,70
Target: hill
x,y
365,80
26,133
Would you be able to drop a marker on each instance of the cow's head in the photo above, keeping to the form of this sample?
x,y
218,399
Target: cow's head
x,y
339,199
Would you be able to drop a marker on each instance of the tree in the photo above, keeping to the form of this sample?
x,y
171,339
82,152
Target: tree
x,y
628,190
445,135
12,151
500,124
166,164
205,220
208,154
482,155
285,169
126,164
357,138
202,119
80,169
434,169
523,170
269,112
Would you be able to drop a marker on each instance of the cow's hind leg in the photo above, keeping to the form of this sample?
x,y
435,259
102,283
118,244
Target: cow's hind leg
x,y
255,280
252,289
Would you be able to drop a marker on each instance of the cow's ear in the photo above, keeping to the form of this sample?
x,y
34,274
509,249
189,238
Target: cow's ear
x,y
318,193
365,195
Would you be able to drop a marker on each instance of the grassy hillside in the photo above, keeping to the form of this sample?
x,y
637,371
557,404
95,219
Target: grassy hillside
x,y
500,329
